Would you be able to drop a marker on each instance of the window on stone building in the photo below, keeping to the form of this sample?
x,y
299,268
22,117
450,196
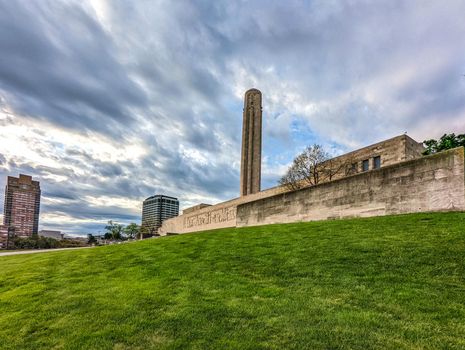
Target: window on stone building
x,y
351,169
376,162
365,165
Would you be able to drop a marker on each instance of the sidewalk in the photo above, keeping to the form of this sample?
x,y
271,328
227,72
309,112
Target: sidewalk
x,y
19,252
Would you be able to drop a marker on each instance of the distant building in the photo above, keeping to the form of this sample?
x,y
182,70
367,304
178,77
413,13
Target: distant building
x,y
77,238
3,236
157,209
51,234
22,204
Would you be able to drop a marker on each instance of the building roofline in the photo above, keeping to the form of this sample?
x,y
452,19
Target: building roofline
x,y
405,136
252,90
160,196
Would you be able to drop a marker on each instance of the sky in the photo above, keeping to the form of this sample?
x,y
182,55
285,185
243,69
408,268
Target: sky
x,y
109,102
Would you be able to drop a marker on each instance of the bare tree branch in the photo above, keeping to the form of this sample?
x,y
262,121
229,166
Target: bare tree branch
x,y
311,167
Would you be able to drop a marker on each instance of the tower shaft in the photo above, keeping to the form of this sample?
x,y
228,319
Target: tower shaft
x,y
251,158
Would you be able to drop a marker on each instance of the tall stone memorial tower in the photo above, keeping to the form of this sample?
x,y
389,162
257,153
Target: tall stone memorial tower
x,y
251,159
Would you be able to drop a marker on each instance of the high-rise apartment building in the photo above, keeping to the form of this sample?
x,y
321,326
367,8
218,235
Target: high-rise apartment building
x,y
157,209
22,204
3,236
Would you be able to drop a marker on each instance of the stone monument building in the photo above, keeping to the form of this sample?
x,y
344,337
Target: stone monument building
x,y
251,158
386,178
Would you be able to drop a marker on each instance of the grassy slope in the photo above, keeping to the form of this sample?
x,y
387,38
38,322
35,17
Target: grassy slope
x,y
390,282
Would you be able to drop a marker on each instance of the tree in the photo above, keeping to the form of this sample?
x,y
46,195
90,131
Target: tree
x,y
145,231
148,231
132,230
91,239
309,168
447,141
114,231
34,242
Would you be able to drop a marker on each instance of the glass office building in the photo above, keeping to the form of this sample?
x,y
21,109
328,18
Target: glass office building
x,y
157,209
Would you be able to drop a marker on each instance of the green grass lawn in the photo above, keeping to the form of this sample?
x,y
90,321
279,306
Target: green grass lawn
x,y
381,283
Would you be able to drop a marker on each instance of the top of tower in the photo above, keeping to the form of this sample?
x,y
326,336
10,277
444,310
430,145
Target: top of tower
x,y
252,90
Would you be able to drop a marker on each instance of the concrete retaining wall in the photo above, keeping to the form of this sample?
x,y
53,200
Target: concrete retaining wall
x,y
432,183
212,217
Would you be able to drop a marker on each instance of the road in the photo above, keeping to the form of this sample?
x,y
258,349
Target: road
x,y
19,252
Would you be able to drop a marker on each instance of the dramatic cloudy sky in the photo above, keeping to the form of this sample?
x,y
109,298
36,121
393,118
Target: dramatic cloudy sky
x,y
109,102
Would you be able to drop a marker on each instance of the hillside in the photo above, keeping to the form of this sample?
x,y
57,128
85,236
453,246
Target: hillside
x,y
390,282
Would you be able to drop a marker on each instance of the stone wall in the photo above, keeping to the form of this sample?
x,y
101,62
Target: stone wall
x,y
431,183
212,217
195,208
413,149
